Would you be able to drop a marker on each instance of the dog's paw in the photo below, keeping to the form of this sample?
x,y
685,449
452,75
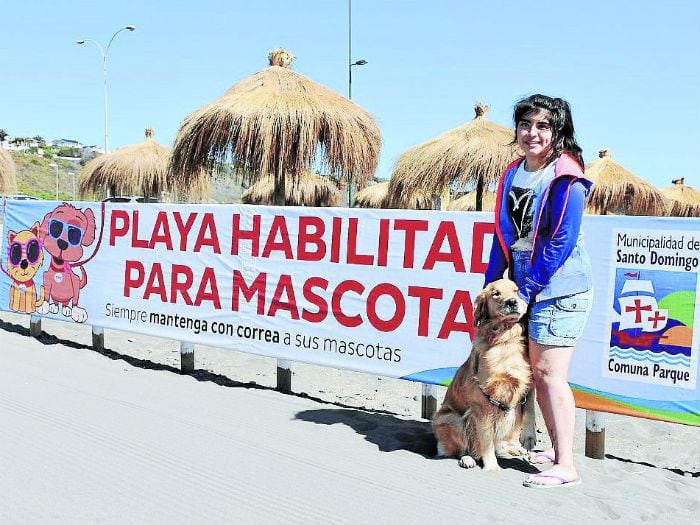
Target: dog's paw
x,y
67,311
467,462
528,438
79,315
43,308
510,450
53,308
491,467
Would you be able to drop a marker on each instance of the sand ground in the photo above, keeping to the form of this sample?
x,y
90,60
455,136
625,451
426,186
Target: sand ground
x,y
651,471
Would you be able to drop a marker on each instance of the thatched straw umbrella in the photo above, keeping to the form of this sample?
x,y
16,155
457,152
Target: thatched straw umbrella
x,y
475,154
8,181
616,190
373,196
308,189
467,202
282,123
683,201
379,196
139,169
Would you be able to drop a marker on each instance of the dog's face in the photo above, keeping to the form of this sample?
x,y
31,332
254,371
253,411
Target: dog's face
x,y
65,231
499,301
24,253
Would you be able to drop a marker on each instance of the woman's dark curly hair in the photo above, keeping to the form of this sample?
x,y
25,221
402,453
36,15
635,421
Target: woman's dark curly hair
x,y
563,139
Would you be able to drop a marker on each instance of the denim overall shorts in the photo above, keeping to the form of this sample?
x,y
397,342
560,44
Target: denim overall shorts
x,y
554,322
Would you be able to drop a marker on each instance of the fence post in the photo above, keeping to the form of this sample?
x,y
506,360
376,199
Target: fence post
x,y
595,434
34,325
428,403
186,357
98,338
284,376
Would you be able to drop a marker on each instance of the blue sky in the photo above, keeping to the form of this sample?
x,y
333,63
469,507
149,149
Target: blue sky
x,y
630,69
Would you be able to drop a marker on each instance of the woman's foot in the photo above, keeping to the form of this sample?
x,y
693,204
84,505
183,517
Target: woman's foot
x,y
558,475
542,457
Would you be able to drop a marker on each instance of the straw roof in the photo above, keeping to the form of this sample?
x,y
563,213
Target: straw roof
x,y
467,202
308,189
8,181
616,190
475,153
139,169
373,196
379,196
282,123
683,201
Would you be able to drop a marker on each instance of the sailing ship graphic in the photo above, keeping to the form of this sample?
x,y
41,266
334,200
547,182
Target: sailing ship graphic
x,y
640,311
653,316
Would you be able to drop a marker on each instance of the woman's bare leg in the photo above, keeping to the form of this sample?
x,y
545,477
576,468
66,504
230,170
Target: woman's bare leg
x,y
550,368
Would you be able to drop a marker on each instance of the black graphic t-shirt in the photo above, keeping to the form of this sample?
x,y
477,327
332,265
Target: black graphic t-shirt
x,y
521,200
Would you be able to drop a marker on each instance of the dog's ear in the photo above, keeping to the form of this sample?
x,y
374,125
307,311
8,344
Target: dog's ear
x,y
11,235
481,313
35,229
89,235
44,228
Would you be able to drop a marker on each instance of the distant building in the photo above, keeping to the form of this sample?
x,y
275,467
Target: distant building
x,y
93,149
66,143
13,144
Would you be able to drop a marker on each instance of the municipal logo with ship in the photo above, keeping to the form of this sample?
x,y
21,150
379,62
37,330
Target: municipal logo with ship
x,y
652,329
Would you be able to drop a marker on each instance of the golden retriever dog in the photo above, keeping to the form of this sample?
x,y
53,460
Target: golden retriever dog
x,y
490,401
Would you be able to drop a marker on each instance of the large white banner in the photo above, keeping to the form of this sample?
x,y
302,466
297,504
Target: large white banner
x,y
383,291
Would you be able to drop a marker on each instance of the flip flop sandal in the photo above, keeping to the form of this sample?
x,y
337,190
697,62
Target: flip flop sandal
x,y
562,482
530,457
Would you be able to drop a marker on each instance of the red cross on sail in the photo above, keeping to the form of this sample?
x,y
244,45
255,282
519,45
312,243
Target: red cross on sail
x,y
640,311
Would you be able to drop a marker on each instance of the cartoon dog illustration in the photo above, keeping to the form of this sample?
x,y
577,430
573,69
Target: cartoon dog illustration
x,y
64,232
24,258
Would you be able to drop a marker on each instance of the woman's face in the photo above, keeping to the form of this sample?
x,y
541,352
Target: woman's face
x,y
534,134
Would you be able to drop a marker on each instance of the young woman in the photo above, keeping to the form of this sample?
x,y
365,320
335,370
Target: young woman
x,y
539,209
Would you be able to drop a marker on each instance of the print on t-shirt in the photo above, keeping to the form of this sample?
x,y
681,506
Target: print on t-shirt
x,y
520,204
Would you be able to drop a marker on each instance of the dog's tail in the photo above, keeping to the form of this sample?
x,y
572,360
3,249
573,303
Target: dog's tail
x,y
83,277
40,301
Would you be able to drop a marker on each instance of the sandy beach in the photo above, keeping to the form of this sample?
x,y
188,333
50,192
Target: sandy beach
x,y
346,447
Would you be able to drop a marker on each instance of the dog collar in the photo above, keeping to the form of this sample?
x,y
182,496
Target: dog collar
x,y
501,405
65,267
17,281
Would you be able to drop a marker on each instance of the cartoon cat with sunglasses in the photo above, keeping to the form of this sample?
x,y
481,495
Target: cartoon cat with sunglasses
x,y
24,259
64,231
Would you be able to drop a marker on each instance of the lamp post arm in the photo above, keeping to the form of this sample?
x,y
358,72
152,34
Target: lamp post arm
x,y
102,51
113,37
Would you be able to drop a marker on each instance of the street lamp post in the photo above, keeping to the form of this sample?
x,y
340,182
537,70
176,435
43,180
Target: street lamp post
x,y
54,165
350,64
105,55
358,63
72,176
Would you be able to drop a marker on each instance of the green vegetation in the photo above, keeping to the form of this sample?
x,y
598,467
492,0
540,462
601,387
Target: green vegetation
x,y
35,177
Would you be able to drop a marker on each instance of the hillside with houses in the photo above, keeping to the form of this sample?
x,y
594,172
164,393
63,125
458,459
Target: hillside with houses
x,y
51,169
64,148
